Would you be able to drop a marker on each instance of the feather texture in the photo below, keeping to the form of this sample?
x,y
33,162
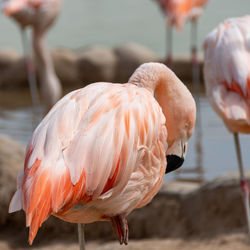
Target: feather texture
x,y
89,151
101,150
226,72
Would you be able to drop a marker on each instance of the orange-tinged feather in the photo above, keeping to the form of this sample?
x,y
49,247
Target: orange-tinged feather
x,y
77,191
116,102
234,86
96,115
29,151
111,180
127,122
40,188
146,125
47,196
248,87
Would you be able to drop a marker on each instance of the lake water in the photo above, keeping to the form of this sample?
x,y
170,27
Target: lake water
x,y
114,22
218,152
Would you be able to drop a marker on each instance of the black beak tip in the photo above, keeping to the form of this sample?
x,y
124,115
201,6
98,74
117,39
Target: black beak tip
x,y
173,163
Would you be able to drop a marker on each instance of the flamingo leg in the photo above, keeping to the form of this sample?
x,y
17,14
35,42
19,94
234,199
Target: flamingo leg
x,y
30,69
243,182
169,58
81,237
120,228
197,91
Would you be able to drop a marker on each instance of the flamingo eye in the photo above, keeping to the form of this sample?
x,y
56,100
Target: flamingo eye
x,y
187,124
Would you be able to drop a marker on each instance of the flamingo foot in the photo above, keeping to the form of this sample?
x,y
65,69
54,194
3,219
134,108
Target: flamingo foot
x,y
245,192
120,228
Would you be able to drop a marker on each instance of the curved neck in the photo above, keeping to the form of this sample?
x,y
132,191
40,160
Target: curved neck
x,y
172,95
156,79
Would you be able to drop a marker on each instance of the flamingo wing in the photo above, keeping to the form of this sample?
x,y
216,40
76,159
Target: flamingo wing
x,y
88,144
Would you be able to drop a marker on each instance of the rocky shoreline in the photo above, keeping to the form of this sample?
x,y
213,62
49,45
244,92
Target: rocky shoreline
x,y
179,210
89,64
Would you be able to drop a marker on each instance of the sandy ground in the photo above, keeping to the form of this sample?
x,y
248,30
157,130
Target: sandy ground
x,y
234,241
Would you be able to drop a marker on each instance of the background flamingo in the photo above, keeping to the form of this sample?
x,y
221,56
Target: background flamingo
x,y
101,150
39,15
177,12
227,78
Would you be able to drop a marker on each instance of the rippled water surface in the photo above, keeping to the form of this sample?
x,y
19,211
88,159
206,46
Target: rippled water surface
x,y
218,152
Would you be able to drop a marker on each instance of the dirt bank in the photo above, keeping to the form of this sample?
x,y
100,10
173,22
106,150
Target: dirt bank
x,y
233,241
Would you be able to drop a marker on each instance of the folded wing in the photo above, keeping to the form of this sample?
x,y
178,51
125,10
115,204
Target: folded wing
x,y
87,145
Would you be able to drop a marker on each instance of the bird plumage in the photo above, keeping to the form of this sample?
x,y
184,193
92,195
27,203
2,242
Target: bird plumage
x,y
178,11
226,72
101,150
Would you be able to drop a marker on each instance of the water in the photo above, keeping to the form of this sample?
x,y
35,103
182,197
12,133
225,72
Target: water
x,y
114,22
218,157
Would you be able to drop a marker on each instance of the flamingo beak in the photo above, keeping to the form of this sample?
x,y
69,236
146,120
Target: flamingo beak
x,y
175,155
173,163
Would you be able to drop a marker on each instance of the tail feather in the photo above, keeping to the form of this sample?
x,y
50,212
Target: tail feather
x,y
45,195
16,202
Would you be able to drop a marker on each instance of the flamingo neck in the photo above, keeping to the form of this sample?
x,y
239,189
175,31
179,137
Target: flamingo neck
x,y
50,85
172,95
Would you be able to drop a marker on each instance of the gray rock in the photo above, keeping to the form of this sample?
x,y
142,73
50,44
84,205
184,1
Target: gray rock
x,y
65,63
12,70
96,64
8,57
182,67
129,57
15,76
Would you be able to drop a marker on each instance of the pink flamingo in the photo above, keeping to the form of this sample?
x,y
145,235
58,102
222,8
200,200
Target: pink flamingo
x,y
40,15
102,150
177,12
227,78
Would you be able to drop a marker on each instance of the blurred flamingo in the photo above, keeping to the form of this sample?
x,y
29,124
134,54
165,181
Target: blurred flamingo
x,y
40,15
102,150
227,78
177,12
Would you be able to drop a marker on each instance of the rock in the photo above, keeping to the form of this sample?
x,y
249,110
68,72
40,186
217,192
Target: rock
x,y
11,162
217,207
129,57
15,75
65,62
95,64
180,188
12,69
182,67
8,57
